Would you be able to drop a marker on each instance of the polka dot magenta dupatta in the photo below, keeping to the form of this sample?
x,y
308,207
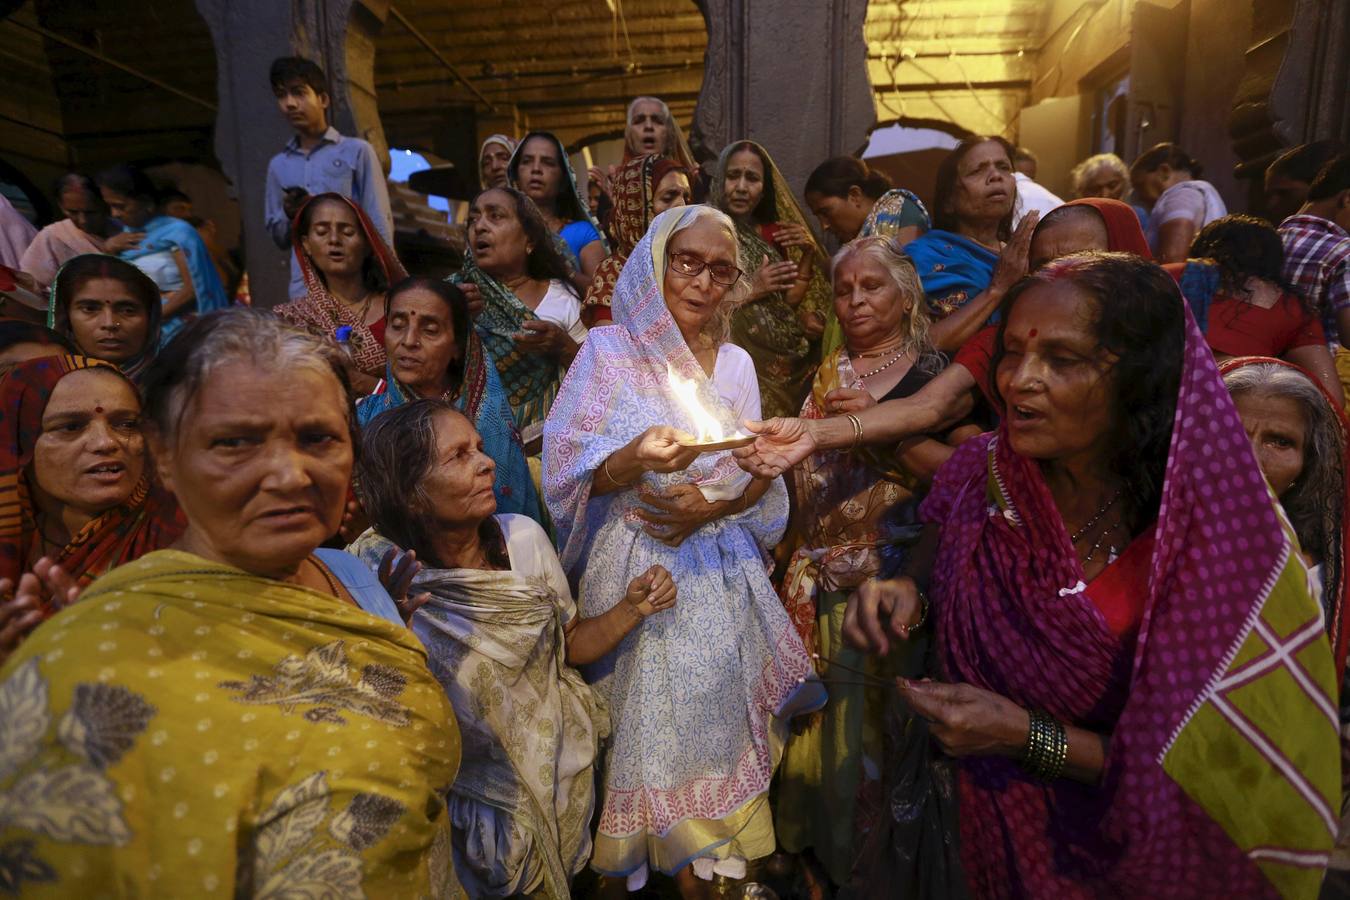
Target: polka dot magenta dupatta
x,y
1223,762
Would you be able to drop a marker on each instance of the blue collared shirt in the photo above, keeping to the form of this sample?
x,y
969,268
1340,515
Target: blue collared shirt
x,y
342,165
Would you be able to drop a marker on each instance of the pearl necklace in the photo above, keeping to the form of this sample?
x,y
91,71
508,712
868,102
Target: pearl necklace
x,y
884,366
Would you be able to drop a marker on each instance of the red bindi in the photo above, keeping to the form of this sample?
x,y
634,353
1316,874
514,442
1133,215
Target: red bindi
x,y
98,409
1034,332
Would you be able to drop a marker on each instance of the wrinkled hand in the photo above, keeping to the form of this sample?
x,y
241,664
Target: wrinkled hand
x,y
658,450
398,578
842,401
651,592
790,234
548,338
473,297
679,512
879,611
45,590
781,444
966,720
127,240
813,323
772,277
1012,259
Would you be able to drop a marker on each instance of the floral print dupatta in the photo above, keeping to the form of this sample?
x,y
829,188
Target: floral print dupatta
x,y
189,728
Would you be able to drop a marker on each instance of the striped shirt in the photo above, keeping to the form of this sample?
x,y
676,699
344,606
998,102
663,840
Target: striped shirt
x,y
1317,262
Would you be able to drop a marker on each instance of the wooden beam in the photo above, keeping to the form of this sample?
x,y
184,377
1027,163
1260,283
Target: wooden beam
x,y
120,66
431,48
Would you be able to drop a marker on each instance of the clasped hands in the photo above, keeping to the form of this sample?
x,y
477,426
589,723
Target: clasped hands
x,y
680,510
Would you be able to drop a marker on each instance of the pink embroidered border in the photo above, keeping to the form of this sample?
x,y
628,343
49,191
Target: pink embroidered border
x,y
658,811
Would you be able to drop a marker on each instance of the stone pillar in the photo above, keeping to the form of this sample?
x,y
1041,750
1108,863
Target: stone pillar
x,y
248,34
340,36
796,82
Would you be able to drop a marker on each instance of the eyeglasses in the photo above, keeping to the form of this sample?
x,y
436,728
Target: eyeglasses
x,y
689,265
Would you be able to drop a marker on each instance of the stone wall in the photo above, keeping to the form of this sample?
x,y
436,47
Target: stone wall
x,y
789,74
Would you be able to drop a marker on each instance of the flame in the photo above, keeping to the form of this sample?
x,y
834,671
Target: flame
x,y
709,429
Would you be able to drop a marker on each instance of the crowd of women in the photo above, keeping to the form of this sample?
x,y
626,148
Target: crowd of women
x,y
969,560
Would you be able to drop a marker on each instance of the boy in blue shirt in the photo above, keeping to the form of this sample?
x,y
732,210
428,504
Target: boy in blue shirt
x,y
317,160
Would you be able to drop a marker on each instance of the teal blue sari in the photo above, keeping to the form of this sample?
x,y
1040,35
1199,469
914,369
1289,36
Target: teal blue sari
x,y
483,400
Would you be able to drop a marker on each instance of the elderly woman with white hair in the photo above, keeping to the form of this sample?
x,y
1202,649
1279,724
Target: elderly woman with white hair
x,y
700,695
857,518
1105,175
1300,438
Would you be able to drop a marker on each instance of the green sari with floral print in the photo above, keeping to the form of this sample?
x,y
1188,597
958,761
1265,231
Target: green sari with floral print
x,y
188,729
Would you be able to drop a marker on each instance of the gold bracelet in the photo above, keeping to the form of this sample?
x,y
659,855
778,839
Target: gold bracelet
x,y
614,481
857,430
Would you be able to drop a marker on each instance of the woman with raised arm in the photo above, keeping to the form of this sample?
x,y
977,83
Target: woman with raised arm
x,y
972,255
1106,627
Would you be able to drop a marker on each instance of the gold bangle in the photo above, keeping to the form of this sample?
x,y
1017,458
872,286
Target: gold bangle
x,y
612,480
857,430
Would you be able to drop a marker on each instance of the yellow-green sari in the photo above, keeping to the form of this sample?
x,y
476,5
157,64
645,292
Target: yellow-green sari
x,y
188,729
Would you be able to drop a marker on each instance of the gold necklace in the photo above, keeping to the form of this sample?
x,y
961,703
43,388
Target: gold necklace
x,y
514,286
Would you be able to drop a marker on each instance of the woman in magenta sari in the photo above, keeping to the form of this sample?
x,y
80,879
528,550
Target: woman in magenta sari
x,y
1138,686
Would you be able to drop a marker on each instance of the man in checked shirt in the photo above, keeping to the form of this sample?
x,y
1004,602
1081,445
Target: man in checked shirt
x,y
1317,255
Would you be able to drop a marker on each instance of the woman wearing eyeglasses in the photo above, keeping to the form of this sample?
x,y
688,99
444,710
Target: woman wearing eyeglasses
x,y
700,693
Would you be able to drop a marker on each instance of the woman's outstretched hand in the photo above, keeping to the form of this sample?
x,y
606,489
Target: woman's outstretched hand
x,y
651,592
398,578
780,445
658,449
